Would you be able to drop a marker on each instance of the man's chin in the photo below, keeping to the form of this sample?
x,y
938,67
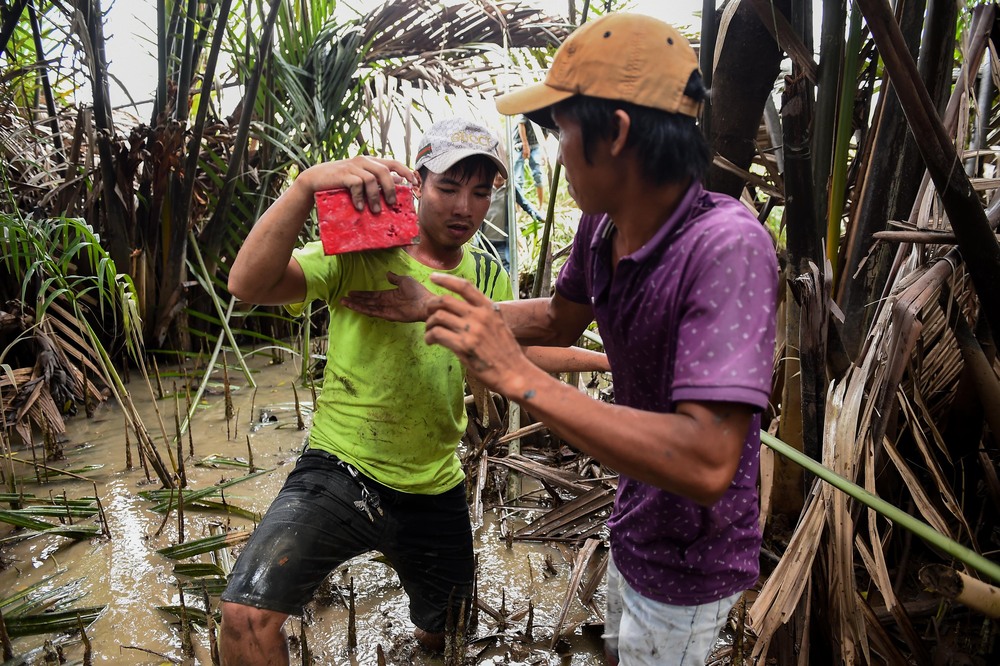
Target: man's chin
x,y
461,239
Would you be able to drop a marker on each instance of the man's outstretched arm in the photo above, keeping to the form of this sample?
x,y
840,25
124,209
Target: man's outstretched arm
x,y
264,271
664,450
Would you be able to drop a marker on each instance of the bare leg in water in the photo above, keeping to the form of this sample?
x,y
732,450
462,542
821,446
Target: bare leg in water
x,y
252,636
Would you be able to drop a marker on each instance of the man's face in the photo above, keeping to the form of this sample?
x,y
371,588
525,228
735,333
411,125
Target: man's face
x,y
580,176
452,210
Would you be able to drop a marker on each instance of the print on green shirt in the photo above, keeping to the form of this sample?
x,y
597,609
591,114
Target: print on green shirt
x,y
391,405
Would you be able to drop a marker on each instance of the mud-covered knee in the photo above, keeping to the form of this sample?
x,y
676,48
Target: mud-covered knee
x,y
239,620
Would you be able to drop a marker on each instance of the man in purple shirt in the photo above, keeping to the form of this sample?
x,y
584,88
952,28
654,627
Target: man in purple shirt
x,y
682,283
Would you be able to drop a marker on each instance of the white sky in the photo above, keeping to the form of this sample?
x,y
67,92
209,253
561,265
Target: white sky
x,y
132,38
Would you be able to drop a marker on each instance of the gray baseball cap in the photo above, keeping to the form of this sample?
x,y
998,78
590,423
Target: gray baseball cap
x,y
449,141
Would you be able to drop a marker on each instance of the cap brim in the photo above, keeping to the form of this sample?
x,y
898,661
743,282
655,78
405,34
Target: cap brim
x,y
533,101
444,162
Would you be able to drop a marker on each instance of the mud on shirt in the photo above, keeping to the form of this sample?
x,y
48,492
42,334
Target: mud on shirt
x,y
391,405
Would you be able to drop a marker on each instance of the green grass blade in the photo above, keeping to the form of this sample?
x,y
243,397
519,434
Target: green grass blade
x,y
52,623
205,545
198,570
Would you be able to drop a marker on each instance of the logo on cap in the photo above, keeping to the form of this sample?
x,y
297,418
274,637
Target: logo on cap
x,y
474,138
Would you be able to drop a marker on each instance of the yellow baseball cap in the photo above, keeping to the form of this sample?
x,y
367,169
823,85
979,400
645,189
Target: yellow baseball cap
x,y
625,57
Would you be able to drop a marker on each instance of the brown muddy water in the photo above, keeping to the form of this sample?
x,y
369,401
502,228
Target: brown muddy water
x,y
127,574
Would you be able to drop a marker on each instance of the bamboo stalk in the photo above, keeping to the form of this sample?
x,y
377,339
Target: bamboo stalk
x,y
190,431
250,456
181,473
46,468
166,513
120,392
896,515
142,455
962,588
105,528
128,449
159,381
227,389
180,515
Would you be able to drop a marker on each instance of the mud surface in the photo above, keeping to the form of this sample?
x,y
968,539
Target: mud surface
x,y
126,574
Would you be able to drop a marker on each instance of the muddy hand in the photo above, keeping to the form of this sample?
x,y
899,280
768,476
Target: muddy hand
x,y
408,302
366,178
473,328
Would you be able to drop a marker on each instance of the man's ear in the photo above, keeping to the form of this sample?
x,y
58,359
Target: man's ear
x,y
623,123
419,184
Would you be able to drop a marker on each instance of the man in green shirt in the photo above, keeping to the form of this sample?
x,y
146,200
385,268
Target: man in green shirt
x,y
380,471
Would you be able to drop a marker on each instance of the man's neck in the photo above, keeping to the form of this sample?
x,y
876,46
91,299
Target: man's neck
x,y
441,258
642,213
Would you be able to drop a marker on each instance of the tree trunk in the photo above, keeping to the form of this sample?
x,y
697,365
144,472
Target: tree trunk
x,y
212,234
119,216
976,239
886,193
747,67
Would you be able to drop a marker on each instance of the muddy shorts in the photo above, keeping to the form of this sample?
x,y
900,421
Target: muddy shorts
x,y
327,513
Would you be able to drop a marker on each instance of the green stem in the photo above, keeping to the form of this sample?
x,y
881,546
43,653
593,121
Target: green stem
x,y
883,508
536,288
845,129
196,400
206,282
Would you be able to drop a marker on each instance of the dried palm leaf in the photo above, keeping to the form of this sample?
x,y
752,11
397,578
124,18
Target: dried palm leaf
x,y
560,479
574,521
573,588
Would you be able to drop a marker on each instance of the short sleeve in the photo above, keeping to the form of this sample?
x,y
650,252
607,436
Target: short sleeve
x,y
725,341
322,272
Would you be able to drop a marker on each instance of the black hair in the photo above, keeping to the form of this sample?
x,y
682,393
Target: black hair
x,y
670,146
468,168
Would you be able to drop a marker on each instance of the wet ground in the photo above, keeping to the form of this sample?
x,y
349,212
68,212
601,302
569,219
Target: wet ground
x,y
126,574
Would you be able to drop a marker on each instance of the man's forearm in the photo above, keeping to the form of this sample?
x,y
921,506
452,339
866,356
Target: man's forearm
x,y
567,359
546,322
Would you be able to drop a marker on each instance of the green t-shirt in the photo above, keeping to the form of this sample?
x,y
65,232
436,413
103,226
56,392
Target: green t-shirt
x,y
391,405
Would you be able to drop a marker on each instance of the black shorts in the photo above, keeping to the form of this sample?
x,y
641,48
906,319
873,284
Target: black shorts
x,y
316,523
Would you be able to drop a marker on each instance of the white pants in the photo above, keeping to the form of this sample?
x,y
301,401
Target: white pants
x,y
643,632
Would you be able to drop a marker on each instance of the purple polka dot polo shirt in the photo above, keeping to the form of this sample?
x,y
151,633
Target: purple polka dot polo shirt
x,y
690,316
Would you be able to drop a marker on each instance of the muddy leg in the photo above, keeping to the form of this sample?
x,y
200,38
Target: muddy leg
x,y
252,636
